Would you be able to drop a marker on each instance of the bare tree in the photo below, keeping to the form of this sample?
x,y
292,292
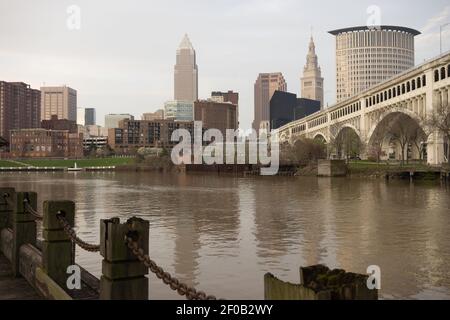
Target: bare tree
x,y
418,139
439,120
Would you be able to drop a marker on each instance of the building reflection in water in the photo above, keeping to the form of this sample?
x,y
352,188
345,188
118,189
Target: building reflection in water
x,y
223,233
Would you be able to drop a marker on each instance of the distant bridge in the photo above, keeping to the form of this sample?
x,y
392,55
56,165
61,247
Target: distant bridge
x,y
376,114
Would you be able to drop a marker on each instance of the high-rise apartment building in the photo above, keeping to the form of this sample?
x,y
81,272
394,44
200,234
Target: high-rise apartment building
x,y
186,72
312,81
20,107
89,117
265,87
179,110
59,101
112,120
366,56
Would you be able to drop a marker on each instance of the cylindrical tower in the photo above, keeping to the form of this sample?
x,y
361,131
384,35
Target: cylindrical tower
x,y
366,56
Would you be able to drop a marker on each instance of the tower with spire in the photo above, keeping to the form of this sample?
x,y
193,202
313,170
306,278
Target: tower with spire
x,y
312,81
186,72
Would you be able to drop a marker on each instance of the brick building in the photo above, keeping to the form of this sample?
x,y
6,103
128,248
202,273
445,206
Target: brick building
x,y
134,134
20,107
42,143
216,115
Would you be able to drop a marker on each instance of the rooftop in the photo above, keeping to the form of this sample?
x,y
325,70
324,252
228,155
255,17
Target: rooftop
x,y
367,28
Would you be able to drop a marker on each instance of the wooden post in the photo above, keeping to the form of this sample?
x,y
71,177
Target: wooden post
x,y
5,209
57,246
24,227
123,275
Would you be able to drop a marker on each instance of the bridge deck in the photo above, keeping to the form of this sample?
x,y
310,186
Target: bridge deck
x,y
14,288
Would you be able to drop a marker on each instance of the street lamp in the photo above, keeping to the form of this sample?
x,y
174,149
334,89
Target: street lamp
x,y
440,34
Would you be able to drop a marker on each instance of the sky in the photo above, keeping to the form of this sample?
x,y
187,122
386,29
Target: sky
x,y
120,55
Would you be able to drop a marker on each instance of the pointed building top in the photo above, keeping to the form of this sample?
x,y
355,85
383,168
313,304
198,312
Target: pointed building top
x,y
186,43
312,46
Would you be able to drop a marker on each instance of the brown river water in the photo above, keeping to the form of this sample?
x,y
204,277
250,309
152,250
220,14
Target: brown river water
x,y
222,234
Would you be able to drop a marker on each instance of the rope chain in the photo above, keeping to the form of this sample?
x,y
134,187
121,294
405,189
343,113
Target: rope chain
x,y
73,236
31,210
183,289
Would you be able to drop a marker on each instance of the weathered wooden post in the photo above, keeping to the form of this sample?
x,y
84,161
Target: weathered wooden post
x,y
123,275
57,246
5,208
23,225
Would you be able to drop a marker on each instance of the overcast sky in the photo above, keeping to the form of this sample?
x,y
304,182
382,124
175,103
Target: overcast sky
x,y
121,59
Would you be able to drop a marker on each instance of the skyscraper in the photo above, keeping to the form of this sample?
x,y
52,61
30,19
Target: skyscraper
x,y
186,72
265,87
367,56
59,101
89,117
312,81
20,107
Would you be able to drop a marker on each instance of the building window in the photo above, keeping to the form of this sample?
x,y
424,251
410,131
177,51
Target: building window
x,y
436,75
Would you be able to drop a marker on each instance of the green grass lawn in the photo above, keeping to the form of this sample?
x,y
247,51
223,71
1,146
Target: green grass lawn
x,y
82,163
6,163
361,166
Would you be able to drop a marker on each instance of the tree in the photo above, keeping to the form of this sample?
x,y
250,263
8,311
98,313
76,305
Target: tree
x,y
439,120
402,135
344,141
303,152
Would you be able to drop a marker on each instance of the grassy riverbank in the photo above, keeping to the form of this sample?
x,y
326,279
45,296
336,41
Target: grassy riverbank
x,y
69,163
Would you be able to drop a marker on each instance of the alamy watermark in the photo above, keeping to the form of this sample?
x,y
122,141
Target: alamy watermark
x,y
238,147
73,21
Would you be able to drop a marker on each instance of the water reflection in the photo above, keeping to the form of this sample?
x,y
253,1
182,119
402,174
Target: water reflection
x,y
222,233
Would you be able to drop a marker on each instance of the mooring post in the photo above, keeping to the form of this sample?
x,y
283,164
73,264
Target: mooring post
x,y
57,246
23,225
123,275
6,209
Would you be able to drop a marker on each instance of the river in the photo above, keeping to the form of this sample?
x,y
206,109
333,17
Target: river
x,y
222,234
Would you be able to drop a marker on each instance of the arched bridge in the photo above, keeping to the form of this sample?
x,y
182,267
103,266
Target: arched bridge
x,y
381,115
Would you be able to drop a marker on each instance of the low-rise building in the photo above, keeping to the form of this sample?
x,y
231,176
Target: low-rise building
x,y
134,134
157,115
43,143
112,120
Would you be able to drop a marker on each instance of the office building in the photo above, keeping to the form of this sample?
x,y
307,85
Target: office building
x,y
229,96
80,116
89,117
20,107
285,107
366,56
216,115
112,120
312,81
186,72
265,87
179,110
59,101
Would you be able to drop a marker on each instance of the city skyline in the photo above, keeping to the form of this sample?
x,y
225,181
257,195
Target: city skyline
x,y
137,77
